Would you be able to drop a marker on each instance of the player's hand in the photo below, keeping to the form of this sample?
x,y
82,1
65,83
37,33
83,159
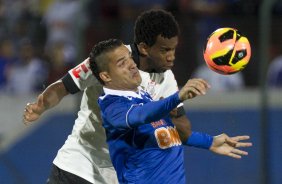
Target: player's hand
x,y
33,111
225,145
193,88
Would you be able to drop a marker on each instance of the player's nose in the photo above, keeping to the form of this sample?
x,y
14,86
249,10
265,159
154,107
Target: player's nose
x,y
171,56
132,64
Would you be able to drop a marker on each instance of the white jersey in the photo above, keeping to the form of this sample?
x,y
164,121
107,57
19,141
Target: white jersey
x,y
85,152
159,85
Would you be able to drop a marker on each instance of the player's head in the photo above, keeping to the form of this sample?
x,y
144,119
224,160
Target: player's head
x,y
156,35
113,66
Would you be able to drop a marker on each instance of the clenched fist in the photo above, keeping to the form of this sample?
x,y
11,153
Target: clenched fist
x,y
33,111
193,88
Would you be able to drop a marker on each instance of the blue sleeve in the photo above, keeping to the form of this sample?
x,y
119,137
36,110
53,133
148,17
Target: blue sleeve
x,y
114,112
152,111
199,140
122,116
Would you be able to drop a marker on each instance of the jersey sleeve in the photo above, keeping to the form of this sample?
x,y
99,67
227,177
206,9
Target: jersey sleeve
x,y
121,115
79,78
114,110
152,111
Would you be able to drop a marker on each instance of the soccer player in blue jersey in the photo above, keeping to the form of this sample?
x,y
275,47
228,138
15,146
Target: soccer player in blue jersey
x,y
144,144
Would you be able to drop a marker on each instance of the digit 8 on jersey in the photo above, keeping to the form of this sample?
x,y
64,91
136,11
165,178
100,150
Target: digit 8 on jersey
x,y
167,137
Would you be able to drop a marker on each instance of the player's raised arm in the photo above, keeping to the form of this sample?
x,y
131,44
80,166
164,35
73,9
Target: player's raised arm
x,y
193,88
156,110
77,79
49,98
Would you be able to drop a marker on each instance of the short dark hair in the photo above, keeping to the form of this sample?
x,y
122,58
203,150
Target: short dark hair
x,y
98,65
152,23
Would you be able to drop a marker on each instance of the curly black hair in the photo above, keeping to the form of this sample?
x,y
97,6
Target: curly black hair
x,y
98,65
152,23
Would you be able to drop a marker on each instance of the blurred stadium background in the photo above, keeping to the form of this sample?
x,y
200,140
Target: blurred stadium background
x,y
41,39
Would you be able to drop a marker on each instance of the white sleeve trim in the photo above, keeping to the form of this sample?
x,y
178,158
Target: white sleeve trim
x,y
126,118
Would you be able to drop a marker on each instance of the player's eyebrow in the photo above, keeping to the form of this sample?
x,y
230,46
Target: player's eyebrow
x,y
167,47
125,57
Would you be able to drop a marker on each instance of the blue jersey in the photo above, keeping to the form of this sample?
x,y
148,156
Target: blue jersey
x,y
144,144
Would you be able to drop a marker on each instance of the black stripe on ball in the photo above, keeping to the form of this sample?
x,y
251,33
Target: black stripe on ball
x,y
223,60
226,36
239,55
221,72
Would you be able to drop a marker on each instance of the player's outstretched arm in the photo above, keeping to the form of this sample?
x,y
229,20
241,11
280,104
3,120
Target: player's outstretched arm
x,y
49,98
228,146
183,127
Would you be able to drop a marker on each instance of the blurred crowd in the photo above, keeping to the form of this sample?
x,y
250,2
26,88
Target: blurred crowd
x,y
40,40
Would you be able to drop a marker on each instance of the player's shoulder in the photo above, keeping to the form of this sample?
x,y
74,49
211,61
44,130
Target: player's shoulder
x,y
110,100
169,73
167,77
118,97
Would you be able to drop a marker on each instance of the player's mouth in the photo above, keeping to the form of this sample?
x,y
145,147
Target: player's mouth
x,y
168,67
135,74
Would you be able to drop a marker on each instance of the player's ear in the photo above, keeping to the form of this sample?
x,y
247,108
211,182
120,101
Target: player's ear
x,y
143,48
105,76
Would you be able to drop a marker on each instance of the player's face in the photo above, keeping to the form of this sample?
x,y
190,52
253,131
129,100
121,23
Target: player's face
x,y
122,70
162,54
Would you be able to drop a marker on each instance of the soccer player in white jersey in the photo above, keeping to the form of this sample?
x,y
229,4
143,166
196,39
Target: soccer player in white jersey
x,y
84,158
139,130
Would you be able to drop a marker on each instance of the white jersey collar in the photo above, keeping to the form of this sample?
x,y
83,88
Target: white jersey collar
x,y
124,93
